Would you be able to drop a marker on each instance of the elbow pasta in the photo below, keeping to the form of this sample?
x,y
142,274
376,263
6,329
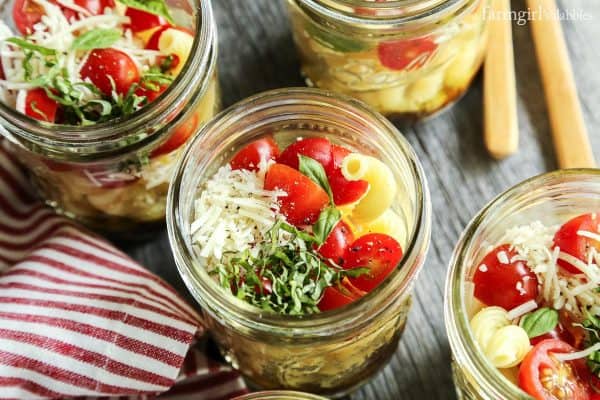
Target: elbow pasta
x,y
382,186
179,43
505,345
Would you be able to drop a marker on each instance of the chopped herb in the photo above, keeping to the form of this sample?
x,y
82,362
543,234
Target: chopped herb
x,y
592,327
285,276
540,321
96,39
25,44
157,7
154,79
328,219
167,63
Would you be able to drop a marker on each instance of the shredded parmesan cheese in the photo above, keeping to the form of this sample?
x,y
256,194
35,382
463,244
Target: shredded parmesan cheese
x,y
233,213
521,310
578,354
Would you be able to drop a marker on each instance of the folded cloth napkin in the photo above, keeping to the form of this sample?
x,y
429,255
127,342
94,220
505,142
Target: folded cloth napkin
x,y
79,318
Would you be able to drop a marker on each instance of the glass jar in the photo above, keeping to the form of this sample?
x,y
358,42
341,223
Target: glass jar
x,y
329,353
406,58
551,199
114,176
279,395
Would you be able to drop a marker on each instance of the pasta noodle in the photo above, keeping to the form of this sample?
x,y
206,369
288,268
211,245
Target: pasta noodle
x,y
382,186
174,41
505,345
389,223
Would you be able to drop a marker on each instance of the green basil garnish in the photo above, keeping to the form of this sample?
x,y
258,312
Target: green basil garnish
x,y
539,322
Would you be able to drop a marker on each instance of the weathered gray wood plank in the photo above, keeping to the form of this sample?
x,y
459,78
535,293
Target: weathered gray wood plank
x,y
256,54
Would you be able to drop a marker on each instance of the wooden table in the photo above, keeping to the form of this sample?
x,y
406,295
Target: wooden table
x,y
257,53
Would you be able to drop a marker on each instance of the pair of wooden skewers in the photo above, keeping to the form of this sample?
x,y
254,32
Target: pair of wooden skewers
x,y
501,129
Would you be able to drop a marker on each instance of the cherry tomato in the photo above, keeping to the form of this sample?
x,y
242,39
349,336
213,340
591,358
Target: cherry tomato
x,y
378,252
141,20
318,149
545,378
149,93
570,242
27,13
253,153
400,54
179,137
305,199
334,247
505,285
39,106
103,63
344,191
339,295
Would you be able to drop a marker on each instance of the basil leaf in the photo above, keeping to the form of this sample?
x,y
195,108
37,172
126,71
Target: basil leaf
x,y
328,219
25,44
96,39
315,171
157,7
335,41
539,322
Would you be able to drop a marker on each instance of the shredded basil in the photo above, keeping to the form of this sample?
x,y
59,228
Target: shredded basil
x,y
25,44
96,39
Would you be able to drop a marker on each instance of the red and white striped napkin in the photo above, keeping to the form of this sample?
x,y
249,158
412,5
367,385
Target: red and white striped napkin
x,y
79,318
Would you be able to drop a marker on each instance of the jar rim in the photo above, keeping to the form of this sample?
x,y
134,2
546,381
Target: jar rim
x,y
313,325
456,318
385,16
279,395
196,72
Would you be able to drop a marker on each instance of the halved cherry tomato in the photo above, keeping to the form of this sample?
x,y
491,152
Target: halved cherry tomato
x,y
39,106
140,20
340,295
378,252
305,199
253,153
545,378
399,54
103,63
179,137
506,285
27,13
318,149
334,247
570,242
344,191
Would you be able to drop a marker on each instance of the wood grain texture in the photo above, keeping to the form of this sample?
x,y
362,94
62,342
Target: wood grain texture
x,y
256,53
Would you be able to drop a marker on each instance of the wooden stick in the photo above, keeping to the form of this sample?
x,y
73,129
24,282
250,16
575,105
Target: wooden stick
x,y
501,129
571,140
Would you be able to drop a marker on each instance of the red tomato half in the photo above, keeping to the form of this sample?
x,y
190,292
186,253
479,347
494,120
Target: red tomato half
x,y
378,252
318,149
27,13
305,199
337,242
545,378
253,153
339,296
150,94
344,191
39,106
570,242
103,63
400,54
142,20
505,285
179,137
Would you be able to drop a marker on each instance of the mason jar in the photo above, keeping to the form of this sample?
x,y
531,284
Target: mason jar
x,y
329,353
114,176
407,59
279,395
551,198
